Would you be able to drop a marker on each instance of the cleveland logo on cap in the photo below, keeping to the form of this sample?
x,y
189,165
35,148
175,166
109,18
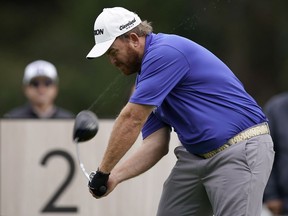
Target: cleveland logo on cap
x,y
127,25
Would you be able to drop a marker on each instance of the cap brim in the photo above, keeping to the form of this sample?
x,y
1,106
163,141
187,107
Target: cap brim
x,y
99,49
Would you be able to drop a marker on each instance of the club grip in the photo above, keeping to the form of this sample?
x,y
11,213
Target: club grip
x,y
103,189
98,183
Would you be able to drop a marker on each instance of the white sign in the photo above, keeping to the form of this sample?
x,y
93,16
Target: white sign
x,y
40,173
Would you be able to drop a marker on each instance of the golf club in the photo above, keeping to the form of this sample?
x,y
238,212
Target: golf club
x,y
85,128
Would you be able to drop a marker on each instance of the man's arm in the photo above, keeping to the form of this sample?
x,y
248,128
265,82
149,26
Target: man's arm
x,y
153,148
125,132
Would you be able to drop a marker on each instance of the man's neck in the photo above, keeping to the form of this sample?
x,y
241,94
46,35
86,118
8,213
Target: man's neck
x,y
45,111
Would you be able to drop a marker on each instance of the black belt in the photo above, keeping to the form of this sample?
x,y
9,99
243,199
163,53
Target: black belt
x,y
256,130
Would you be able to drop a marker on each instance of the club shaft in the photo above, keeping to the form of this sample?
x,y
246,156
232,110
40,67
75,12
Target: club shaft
x,y
80,163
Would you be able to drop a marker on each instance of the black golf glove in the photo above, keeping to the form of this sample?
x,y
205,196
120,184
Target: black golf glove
x,y
98,183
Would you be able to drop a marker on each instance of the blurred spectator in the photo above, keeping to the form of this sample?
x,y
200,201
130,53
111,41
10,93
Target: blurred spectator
x,y
276,192
40,85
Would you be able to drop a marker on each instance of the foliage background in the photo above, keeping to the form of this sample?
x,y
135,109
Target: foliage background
x,y
249,36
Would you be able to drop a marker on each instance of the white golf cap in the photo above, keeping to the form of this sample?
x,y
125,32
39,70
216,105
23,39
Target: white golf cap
x,y
110,24
40,68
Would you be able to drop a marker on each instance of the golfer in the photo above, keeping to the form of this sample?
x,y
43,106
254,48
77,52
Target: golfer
x,y
227,152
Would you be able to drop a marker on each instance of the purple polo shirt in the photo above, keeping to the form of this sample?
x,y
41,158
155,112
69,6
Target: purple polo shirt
x,y
194,93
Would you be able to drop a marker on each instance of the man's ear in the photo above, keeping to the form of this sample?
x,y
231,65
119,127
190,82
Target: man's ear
x,y
134,38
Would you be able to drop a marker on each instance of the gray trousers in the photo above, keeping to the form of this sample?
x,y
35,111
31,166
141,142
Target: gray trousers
x,y
231,183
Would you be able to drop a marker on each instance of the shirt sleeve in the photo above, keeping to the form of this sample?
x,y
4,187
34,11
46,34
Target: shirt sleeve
x,y
152,124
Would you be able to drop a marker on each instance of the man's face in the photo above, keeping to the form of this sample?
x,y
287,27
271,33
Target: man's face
x,y
124,56
41,91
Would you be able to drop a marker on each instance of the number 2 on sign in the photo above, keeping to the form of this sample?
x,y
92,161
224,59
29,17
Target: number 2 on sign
x,y
51,206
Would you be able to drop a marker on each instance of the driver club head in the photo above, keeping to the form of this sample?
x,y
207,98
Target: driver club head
x,y
85,126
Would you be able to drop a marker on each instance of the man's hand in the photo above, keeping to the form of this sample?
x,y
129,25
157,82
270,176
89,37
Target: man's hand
x,y
113,181
98,184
